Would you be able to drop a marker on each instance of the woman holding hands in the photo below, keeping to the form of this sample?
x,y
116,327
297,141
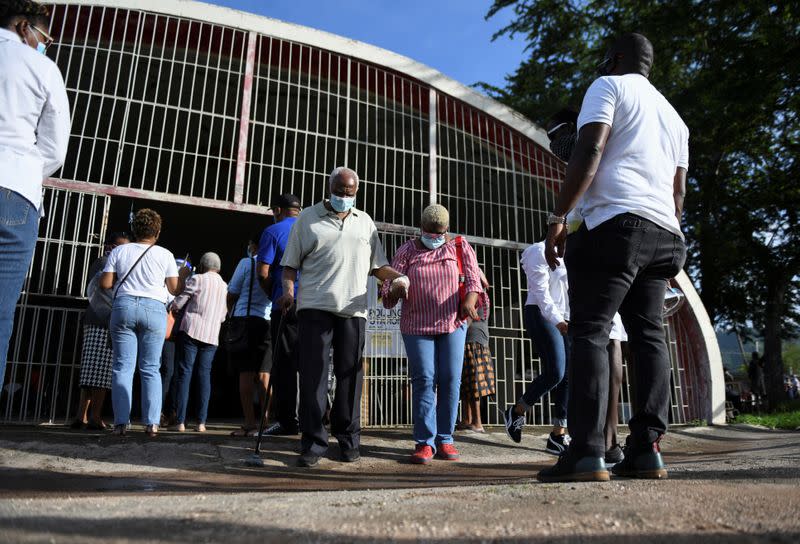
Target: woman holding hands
x,y
443,293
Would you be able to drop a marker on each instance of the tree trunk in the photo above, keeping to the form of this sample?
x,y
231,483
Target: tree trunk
x,y
773,344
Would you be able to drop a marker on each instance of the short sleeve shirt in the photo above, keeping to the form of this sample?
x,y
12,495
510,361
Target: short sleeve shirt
x,y
648,141
335,258
147,279
240,285
270,251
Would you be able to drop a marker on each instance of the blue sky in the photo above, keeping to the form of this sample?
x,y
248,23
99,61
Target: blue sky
x,y
449,35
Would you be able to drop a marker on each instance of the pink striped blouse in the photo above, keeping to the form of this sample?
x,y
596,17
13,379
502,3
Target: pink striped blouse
x,y
204,299
433,302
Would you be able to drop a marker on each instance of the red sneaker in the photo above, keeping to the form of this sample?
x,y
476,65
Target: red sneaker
x,y
448,452
422,455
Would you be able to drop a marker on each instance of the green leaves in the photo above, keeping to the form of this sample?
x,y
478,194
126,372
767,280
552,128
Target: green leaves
x,y
732,70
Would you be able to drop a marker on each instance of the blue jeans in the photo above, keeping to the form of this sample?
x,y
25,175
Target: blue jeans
x,y
434,364
168,378
138,326
19,225
191,352
553,348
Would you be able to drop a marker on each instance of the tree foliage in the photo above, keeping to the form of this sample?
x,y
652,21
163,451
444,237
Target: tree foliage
x,y
732,70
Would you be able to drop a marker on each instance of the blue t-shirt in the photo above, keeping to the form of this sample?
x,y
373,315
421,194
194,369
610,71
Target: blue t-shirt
x,y
270,251
240,285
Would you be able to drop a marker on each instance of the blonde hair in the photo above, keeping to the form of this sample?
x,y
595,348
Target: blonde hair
x,y
435,215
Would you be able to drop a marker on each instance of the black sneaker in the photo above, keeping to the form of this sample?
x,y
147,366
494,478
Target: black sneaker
x,y
568,469
514,424
308,460
614,456
641,462
351,455
276,429
557,444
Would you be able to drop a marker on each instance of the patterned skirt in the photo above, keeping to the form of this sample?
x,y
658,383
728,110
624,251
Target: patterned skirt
x,y
477,378
96,358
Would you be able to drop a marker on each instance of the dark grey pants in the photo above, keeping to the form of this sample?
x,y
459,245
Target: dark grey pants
x,y
621,265
318,332
284,369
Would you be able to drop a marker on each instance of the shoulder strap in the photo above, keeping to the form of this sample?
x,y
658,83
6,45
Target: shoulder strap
x,y
250,293
462,279
460,258
131,270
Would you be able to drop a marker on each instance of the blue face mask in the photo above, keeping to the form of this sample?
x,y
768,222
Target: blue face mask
x,y
41,48
432,241
342,203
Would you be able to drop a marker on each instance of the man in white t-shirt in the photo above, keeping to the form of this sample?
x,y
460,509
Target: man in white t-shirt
x,y
628,170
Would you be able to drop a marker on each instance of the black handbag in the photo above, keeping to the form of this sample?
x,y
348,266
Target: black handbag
x,y
237,339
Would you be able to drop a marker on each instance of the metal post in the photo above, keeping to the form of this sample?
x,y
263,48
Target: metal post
x,y
244,119
432,172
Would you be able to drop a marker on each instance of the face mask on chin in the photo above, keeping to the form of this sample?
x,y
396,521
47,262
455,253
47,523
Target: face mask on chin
x,y
342,204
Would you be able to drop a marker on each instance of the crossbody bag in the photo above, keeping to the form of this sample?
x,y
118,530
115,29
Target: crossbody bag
x,y
237,338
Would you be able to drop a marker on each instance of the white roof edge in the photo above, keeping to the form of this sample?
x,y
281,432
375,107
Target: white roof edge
x,y
325,40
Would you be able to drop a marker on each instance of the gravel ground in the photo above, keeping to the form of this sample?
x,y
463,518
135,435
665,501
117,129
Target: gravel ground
x,y
727,484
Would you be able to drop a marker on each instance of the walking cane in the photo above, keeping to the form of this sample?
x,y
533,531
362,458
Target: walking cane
x,y
255,459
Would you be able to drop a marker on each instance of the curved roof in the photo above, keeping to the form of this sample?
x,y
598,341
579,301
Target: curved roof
x,y
189,9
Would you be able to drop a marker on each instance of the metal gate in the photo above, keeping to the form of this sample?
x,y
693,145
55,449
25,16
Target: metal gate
x,y
45,347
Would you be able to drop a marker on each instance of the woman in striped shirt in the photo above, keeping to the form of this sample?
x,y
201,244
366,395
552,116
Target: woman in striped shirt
x,y
434,327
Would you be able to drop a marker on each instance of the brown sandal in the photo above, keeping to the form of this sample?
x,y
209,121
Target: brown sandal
x,y
151,431
244,432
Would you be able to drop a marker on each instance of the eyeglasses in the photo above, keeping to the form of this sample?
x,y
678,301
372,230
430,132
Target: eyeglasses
x,y
48,40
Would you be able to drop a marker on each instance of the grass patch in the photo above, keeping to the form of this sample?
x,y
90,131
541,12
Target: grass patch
x,y
777,420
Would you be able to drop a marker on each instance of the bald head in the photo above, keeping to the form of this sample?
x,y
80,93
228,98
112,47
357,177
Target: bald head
x,y
630,54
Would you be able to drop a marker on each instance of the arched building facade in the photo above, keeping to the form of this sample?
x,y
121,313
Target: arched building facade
x,y
205,114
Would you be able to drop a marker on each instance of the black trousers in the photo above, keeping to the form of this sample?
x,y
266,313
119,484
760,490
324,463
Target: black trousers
x,y
621,265
319,331
284,368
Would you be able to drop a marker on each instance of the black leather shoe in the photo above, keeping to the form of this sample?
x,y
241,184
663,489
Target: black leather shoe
x,y
569,469
351,455
308,460
641,462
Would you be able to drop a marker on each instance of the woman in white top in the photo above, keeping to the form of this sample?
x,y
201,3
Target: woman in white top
x,y
142,275
546,317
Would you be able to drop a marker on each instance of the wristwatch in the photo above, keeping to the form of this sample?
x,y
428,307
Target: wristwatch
x,y
554,219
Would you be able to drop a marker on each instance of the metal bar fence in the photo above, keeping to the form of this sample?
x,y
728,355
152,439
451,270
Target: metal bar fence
x,y
159,104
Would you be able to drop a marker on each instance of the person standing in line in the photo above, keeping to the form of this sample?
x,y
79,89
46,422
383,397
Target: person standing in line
x,y
205,307
334,247
271,248
546,316
246,299
96,354
434,327
614,453
755,371
142,275
478,374
629,168
34,133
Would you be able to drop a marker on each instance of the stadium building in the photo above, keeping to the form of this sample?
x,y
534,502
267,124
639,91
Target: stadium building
x,y
205,114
